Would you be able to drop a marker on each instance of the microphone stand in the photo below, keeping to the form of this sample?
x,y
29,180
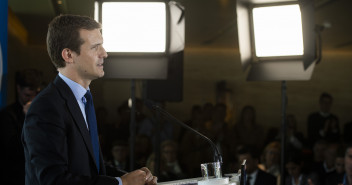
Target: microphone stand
x,y
217,155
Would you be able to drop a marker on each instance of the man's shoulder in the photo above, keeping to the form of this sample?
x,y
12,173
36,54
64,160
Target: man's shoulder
x,y
48,98
47,93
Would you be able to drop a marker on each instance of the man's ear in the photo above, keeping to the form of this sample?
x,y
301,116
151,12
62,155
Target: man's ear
x,y
67,55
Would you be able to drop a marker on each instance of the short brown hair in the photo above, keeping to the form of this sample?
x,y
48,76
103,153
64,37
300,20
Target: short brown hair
x,y
31,78
63,32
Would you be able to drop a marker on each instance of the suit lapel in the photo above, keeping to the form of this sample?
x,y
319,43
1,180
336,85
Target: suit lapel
x,y
75,111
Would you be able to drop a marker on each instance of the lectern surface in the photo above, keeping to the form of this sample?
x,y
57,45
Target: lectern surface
x,y
192,181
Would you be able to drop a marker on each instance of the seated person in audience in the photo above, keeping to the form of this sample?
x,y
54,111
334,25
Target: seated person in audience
x,y
271,158
143,149
327,167
337,176
317,157
120,160
247,131
255,176
296,172
172,169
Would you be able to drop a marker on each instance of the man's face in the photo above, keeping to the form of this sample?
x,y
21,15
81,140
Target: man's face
x,y
325,104
25,94
272,156
89,63
293,169
169,153
348,162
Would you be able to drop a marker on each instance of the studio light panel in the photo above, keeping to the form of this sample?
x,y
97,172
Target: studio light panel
x,y
278,31
134,26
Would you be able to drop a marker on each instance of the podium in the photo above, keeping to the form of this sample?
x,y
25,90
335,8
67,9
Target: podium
x,y
230,179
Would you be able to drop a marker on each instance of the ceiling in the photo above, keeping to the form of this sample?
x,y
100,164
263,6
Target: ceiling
x,y
209,23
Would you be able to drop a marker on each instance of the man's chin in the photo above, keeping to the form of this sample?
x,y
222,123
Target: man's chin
x,y
101,74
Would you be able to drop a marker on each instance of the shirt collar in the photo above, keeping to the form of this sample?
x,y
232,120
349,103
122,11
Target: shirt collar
x,y
78,90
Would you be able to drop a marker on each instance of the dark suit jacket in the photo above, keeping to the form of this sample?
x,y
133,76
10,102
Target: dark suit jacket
x,y
57,143
264,178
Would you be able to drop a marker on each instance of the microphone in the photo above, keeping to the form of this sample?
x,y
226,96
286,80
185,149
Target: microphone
x,y
153,106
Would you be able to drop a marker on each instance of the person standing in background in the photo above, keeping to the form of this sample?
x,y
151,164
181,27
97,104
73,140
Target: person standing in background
x,y
28,84
323,124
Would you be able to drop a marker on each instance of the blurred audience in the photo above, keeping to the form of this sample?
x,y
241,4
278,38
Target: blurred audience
x,y
182,151
157,128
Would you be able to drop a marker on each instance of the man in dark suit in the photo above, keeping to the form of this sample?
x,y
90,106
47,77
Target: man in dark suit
x,y
255,176
57,135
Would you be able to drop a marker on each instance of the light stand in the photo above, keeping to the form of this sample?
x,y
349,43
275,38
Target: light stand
x,y
283,130
132,123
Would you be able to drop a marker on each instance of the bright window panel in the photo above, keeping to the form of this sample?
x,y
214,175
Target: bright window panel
x,y
278,31
96,11
134,26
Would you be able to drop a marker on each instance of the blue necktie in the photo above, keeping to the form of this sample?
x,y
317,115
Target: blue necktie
x,y
92,124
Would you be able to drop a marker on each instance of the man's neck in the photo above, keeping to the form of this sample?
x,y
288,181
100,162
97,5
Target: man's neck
x,y
74,77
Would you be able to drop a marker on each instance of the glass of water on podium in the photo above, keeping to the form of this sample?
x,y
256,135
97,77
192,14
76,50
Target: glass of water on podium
x,y
212,175
211,170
